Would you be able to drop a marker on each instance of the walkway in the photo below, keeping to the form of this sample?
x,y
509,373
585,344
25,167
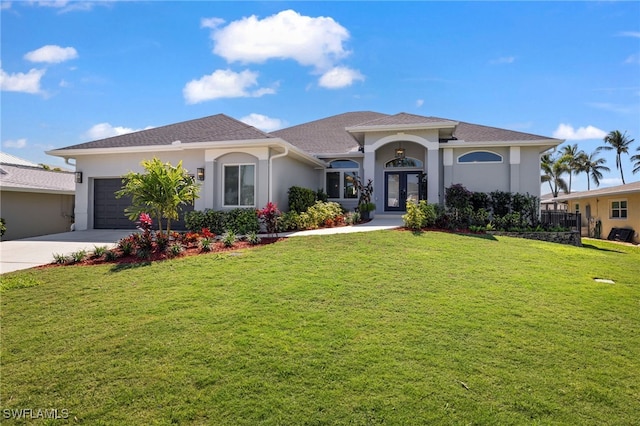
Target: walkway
x,y
35,251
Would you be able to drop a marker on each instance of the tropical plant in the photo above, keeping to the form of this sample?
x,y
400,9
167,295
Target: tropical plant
x,y
3,227
593,167
552,171
619,143
161,191
253,238
572,157
229,238
636,159
269,216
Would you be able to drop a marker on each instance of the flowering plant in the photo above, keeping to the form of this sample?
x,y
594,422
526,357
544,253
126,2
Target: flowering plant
x,y
145,222
269,215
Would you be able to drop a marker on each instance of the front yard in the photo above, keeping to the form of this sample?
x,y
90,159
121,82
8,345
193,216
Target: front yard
x,y
379,327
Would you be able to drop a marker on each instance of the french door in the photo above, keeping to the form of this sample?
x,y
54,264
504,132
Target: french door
x,y
400,187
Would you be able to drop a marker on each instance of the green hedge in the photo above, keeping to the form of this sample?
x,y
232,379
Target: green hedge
x,y
300,199
239,221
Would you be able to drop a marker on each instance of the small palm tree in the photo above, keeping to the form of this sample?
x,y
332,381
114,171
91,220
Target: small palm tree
x,y
593,167
552,171
620,143
636,159
572,157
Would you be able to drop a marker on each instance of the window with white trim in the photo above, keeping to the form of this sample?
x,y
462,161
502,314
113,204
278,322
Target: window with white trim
x,y
480,157
239,185
341,184
619,209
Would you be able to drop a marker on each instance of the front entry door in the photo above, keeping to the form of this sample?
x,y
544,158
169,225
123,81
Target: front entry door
x,y
401,187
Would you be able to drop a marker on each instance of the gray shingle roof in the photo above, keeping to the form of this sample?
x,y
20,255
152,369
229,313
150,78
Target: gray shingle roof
x,y
327,135
208,129
35,179
404,119
477,133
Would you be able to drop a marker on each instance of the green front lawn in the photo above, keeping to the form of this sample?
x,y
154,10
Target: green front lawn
x,y
380,327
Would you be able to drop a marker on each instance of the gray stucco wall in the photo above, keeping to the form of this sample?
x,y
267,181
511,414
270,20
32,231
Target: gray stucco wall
x,y
29,214
482,177
288,172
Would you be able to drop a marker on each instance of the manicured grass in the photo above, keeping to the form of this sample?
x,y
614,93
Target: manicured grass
x,y
383,327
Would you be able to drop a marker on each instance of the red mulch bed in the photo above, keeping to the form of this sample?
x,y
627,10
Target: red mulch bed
x,y
157,256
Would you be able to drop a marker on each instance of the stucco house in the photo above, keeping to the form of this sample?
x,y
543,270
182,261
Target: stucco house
x,y
615,207
34,201
406,156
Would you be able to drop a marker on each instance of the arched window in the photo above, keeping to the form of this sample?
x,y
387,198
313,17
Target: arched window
x,y
480,157
342,184
403,162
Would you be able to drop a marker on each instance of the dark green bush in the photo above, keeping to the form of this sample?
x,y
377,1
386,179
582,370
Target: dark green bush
x,y
214,220
300,199
500,203
242,221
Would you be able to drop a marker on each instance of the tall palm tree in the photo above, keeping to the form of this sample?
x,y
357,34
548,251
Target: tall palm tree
x,y
593,167
552,171
636,158
620,143
571,156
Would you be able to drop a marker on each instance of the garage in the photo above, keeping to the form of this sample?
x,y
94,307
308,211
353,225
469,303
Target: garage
x,y
108,211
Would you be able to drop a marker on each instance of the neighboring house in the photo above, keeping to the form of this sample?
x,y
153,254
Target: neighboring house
x,y
616,207
548,203
408,157
34,201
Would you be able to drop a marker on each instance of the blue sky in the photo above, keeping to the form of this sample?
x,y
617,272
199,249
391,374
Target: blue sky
x,y
78,71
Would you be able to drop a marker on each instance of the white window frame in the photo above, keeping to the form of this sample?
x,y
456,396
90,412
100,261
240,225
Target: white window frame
x,y
480,162
224,184
620,209
342,171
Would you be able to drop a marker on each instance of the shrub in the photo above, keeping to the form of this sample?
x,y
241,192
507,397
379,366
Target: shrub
x,y
60,259
500,202
288,221
205,244
127,245
78,256
110,255
229,239
480,200
213,220
242,221
269,216
321,195
175,249
3,226
99,251
162,241
429,212
414,217
318,214
253,238
300,199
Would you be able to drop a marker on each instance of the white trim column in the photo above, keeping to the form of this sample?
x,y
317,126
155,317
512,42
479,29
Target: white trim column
x,y
514,169
433,175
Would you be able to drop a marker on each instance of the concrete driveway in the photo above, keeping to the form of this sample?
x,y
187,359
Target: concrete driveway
x,y
36,251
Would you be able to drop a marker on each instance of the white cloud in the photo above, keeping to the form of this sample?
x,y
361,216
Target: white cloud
x,y
106,130
566,131
212,23
5,5
633,59
17,143
339,77
21,82
419,103
610,182
309,41
503,60
224,84
65,6
51,54
262,122
635,34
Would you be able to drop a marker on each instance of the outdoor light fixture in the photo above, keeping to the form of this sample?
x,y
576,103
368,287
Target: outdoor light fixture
x,y
200,173
400,152
78,177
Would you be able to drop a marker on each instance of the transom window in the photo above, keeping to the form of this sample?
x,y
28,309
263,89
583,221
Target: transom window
x,y
342,184
407,162
619,209
239,185
480,157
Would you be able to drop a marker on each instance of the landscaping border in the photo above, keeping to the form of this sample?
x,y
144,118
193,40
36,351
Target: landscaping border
x,y
570,237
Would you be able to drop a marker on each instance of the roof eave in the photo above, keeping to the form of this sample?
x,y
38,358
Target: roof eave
x,y
37,190
542,142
